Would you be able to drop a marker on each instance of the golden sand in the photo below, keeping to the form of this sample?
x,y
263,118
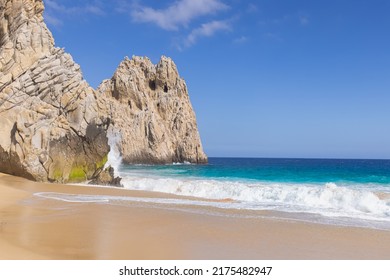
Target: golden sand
x,y
36,228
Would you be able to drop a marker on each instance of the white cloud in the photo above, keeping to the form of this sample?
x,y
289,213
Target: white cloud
x,y
54,5
91,8
179,14
55,12
206,30
52,20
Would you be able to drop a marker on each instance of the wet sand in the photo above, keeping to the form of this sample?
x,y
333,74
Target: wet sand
x,y
36,228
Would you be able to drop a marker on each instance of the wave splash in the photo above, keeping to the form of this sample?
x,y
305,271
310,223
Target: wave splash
x,y
328,200
114,158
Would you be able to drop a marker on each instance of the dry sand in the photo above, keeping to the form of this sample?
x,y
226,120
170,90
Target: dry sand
x,y
37,228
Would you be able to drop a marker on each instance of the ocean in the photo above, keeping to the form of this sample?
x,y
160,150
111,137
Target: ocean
x,y
332,191
343,192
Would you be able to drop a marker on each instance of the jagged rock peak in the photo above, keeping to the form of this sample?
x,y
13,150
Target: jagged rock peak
x,y
151,110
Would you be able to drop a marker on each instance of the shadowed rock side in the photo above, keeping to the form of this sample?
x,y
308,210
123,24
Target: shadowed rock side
x,y
151,112
107,178
49,123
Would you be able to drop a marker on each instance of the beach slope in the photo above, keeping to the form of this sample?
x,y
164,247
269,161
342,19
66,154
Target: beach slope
x,y
32,227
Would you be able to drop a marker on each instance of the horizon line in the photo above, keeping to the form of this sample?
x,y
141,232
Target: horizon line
x,y
322,158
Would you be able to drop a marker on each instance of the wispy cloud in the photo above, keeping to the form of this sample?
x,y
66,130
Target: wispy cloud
x,y
240,40
252,8
178,14
206,30
52,20
93,7
55,11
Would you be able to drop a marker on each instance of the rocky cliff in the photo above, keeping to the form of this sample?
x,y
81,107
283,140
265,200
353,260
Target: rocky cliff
x,y
50,127
55,127
151,112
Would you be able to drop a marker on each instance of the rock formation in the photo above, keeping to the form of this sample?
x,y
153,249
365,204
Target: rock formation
x,y
107,178
151,113
55,127
50,127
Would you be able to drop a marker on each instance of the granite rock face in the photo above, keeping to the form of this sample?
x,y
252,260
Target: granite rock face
x,y
55,127
151,113
49,123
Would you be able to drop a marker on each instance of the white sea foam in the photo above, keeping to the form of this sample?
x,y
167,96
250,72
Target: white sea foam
x,y
181,163
327,203
83,198
114,157
72,197
327,200
343,204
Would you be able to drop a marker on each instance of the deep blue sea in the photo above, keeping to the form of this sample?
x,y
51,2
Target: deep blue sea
x,y
277,170
338,191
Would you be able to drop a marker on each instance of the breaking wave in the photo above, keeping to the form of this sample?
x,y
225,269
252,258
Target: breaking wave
x,y
328,199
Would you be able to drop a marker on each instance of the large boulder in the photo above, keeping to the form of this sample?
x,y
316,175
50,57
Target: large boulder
x,y
50,127
151,113
107,178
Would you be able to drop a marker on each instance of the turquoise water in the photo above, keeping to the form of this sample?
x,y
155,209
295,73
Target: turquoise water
x,y
351,192
339,192
279,170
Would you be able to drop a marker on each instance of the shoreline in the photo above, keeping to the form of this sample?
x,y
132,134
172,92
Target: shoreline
x,y
36,228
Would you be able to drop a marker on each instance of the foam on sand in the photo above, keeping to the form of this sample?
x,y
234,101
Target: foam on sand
x,y
326,199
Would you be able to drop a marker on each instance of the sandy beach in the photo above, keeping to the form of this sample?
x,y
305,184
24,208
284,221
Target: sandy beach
x,y
32,227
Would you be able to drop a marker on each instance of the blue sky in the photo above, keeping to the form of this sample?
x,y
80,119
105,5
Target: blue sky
x,y
267,78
